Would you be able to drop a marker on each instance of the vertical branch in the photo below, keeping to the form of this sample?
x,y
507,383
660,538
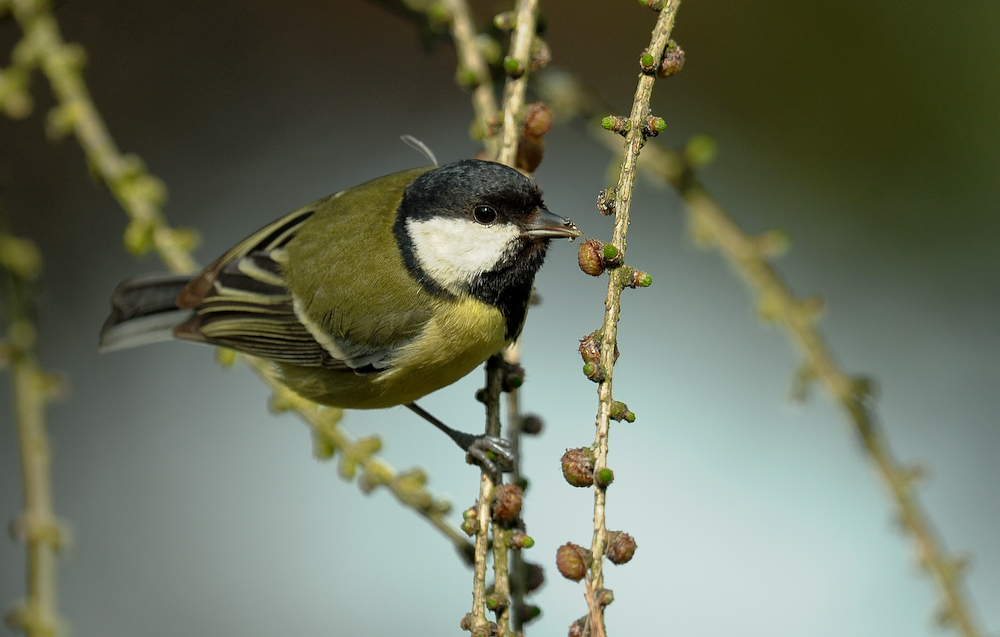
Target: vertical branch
x,y
636,129
750,256
473,70
479,626
516,64
31,389
517,570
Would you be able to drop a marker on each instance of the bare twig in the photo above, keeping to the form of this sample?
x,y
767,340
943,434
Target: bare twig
x,y
31,389
636,130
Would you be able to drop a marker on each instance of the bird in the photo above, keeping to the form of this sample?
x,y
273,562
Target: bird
x,y
369,298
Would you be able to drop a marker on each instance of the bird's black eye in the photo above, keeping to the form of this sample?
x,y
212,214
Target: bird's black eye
x,y
485,214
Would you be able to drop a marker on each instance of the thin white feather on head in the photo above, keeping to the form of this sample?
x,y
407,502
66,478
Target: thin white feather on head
x,y
456,252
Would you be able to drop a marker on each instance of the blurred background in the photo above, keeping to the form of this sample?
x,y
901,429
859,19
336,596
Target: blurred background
x,y
866,129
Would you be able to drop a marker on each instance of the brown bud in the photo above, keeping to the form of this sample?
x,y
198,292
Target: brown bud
x,y
621,547
535,576
576,629
537,120
673,60
578,467
572,561
530,152
606,201
541,54
532,425
590,348
531,148
590,257
507,501
604,596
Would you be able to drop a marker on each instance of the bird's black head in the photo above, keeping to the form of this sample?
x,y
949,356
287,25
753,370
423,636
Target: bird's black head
x,y
479,228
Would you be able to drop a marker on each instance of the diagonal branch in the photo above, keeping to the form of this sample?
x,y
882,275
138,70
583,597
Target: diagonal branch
x,y
141,196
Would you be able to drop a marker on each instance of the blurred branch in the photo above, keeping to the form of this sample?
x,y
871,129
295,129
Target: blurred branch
x,y
359,455
141,196
138,192
473,70
31,389
750,256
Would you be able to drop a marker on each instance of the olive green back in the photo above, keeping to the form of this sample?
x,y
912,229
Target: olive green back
x,y
346,269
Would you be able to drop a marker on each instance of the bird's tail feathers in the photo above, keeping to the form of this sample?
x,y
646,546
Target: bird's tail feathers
x,y
144,310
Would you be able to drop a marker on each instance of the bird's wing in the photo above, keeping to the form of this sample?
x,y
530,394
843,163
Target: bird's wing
x,y
241,301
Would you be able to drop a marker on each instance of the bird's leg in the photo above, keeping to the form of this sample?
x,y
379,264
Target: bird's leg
x,y
477,448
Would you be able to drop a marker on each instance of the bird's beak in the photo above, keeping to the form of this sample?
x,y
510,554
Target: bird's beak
x,y
545,225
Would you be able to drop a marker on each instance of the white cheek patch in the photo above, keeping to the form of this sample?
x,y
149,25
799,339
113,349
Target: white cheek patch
x,y
455,252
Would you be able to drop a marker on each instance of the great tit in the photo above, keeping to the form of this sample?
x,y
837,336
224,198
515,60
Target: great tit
x,y
372,297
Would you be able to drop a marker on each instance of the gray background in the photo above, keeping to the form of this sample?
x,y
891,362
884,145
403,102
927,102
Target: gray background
x,y
868,130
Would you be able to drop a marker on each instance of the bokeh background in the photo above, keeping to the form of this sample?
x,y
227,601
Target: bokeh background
x,y
867,129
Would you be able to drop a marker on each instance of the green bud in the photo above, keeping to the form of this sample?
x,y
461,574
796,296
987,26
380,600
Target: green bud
x,y
492,603
700,151
643,279
138,237
466,78
512,66
20,256
605,477
646,61
527,542
530,612
607,123
610,251
323,447
658,124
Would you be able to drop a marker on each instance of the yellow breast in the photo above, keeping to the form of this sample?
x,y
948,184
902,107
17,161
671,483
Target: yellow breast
x,y
460,336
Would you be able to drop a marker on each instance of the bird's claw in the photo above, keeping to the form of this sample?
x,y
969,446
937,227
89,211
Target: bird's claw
x,y
491,453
